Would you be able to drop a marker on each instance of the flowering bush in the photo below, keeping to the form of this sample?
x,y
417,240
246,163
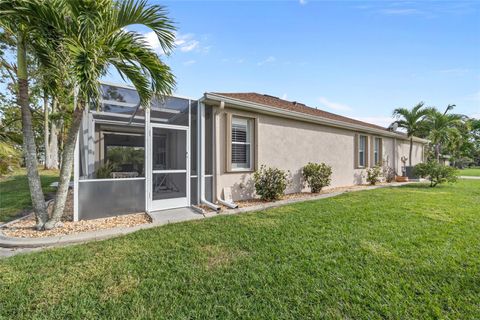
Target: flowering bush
x,y
373,174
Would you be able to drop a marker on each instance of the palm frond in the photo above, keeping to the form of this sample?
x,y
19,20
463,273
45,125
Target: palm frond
x,y
154,17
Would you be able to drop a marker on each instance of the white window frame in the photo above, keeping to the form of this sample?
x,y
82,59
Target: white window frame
x,y
360,151
376,150
250,139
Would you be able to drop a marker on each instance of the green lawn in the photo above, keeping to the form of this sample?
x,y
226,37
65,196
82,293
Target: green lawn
x,y
15,195
471,172
405,253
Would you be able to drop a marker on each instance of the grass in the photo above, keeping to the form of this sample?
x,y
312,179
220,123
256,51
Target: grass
x,y
470,172
406,253
15,195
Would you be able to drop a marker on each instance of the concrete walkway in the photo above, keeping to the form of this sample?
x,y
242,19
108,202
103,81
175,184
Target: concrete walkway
x,y
470,177
11,246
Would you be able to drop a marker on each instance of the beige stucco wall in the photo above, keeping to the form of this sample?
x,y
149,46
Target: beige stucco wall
x,y
289,145
403,148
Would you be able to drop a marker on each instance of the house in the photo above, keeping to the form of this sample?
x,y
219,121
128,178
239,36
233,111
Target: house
x,y
181,152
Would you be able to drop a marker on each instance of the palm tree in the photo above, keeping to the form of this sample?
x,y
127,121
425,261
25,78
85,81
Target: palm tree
x,y
20,34
443,128
87,37
411,121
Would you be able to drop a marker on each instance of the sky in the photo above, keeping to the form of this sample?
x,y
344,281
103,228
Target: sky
x,y
356,58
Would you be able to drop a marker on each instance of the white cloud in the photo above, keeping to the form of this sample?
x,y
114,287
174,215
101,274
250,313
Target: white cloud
x,y
270,59
400,11
183,42
380,121
186,42
152,40
334,105
189,62
284,96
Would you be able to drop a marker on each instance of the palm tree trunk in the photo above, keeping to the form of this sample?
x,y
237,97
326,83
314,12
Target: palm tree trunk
x,y
410,152
29,148
46,133
66,168
53,143
437,152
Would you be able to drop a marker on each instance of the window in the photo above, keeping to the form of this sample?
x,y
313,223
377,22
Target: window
x,y
362,151
242,147
377,151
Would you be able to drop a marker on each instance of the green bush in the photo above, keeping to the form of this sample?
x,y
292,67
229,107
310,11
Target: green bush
x,y
9,158
270,183
317,175
105,171
435,172
373,174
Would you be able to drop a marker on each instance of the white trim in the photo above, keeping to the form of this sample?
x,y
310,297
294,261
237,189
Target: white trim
x,y
147,161
121,115
163,204
118,103
169,171
169,126
119,123
246,105
206,176
76,174
111,179
166,110
76,161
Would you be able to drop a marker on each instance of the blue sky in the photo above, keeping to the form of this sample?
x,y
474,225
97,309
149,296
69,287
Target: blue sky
x,y
359,59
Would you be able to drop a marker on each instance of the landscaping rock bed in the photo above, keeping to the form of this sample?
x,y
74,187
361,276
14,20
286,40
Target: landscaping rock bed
x,y
299,196
25,227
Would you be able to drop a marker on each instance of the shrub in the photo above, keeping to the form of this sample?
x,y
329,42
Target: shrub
x,y
373,174
105,171
317,175
435,172
388,173
270,183
9,158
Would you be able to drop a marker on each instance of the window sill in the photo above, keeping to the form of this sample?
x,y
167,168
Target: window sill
x,y
240,171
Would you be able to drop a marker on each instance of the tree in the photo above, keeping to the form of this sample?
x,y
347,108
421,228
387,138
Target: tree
x,y
86,37
443,128
411,121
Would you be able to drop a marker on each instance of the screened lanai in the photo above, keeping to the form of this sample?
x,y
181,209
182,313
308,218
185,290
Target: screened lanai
x,y
133,160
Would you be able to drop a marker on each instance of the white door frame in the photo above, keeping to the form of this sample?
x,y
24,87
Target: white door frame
x,y
154,205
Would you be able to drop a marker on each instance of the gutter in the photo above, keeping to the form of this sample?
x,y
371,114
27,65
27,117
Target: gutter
x,y
241,104
201,156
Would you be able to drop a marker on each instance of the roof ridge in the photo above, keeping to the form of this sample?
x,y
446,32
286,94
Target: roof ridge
x,y
277,102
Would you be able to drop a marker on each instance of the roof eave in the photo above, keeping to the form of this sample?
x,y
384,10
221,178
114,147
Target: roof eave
x,y
242,104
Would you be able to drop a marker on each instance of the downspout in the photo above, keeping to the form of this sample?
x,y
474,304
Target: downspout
x,y
228,204
395,155
201,155
231,205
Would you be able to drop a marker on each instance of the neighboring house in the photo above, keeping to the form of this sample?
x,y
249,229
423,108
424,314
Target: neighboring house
x,y
183,151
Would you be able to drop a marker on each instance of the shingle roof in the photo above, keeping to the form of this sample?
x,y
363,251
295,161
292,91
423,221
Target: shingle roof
x,y
275,102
